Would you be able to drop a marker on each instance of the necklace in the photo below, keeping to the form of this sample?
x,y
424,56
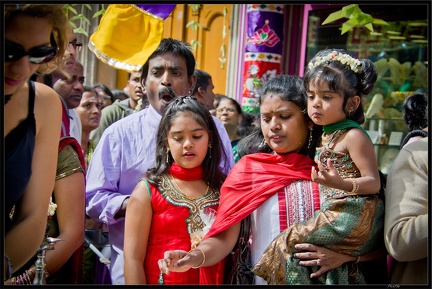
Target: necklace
x,y
7,98
181,192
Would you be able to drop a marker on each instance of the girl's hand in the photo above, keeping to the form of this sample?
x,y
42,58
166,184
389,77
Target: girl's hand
x,y
175,261
320,256
329,178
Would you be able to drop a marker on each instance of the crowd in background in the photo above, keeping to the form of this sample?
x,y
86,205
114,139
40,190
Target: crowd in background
x,y
151,182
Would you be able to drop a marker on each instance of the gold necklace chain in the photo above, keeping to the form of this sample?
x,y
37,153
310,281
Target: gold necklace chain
x,y
177,187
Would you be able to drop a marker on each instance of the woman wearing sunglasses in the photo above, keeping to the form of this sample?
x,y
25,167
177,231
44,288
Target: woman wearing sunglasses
x,y
32,120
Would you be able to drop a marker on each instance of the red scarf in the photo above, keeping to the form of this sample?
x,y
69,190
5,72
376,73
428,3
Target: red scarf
x,y
252,181
181,173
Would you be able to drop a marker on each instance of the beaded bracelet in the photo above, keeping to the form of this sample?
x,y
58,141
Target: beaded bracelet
x,y
356,186
13,281
203,261
10,266
27,277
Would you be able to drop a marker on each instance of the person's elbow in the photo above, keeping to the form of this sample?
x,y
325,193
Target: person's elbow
x,y
407,242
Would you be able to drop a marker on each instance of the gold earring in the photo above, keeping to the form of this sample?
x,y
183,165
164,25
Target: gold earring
x,y
167,154
310,137
210,146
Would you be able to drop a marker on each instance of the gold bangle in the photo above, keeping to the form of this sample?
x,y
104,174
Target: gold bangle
x,y
358,260
356,186
203,261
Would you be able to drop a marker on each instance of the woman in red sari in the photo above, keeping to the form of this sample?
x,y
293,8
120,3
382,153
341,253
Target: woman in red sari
x,y
273,185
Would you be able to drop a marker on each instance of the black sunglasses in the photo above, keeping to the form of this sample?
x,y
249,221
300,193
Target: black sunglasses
x,y
76,45
37,55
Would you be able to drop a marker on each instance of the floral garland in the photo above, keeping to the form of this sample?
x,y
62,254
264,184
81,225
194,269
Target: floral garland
x,y
52,208
353,63
138,107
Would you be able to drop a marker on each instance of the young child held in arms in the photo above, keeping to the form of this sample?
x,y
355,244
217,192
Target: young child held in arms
x,y
351,217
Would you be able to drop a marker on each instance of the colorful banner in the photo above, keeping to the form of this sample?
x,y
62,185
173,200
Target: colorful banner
x,y
263,51
129,33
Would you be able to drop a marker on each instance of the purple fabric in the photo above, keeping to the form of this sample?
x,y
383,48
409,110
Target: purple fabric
x,y
102,274
256,22
160,10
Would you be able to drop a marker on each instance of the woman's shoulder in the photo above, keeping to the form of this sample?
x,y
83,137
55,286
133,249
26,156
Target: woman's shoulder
x,y
46,93
47,106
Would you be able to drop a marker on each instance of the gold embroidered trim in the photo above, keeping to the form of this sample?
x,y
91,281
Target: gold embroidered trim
x,y
176,198
68,173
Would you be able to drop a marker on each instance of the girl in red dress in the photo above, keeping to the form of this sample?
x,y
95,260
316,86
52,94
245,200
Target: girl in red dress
x,y
174,205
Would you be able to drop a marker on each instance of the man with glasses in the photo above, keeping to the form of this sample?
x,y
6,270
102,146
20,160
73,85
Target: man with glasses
x,y
70,55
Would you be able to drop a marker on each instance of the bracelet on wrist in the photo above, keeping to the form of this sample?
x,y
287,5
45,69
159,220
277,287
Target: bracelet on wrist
x,y
356,186
204,258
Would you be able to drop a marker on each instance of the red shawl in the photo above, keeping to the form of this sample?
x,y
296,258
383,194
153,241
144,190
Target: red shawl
x,y
252,181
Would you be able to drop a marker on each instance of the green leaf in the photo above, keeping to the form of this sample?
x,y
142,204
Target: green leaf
x,y
347,26
99,13
335,16
380,22
223,49
369,27
72,24
194,44
350,9
84,18
77,17
88,6
71,9
225,12
194,24
356,18
194,7
81,31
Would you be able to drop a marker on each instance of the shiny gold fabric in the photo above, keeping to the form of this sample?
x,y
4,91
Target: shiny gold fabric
x,y
141,30
349,224
68,163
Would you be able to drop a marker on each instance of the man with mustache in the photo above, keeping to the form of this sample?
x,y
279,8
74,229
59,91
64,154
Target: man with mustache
x,y
70,86
120,109
127,148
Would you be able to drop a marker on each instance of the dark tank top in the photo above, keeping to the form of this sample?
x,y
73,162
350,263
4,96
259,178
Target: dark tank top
x,y
19,147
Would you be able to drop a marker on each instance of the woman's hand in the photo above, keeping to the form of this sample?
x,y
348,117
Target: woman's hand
x,y
175,261
320,256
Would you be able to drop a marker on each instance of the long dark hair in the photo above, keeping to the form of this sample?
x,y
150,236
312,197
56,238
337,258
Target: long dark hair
x,y
288,88
415,111
213,174
341,78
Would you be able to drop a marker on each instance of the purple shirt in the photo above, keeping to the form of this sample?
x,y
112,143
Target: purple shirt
x,y
125,151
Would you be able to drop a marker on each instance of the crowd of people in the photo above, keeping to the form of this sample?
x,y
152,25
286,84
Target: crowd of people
x,y
169,173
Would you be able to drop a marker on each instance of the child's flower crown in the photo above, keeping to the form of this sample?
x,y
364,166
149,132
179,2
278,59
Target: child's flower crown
x,y
353,63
